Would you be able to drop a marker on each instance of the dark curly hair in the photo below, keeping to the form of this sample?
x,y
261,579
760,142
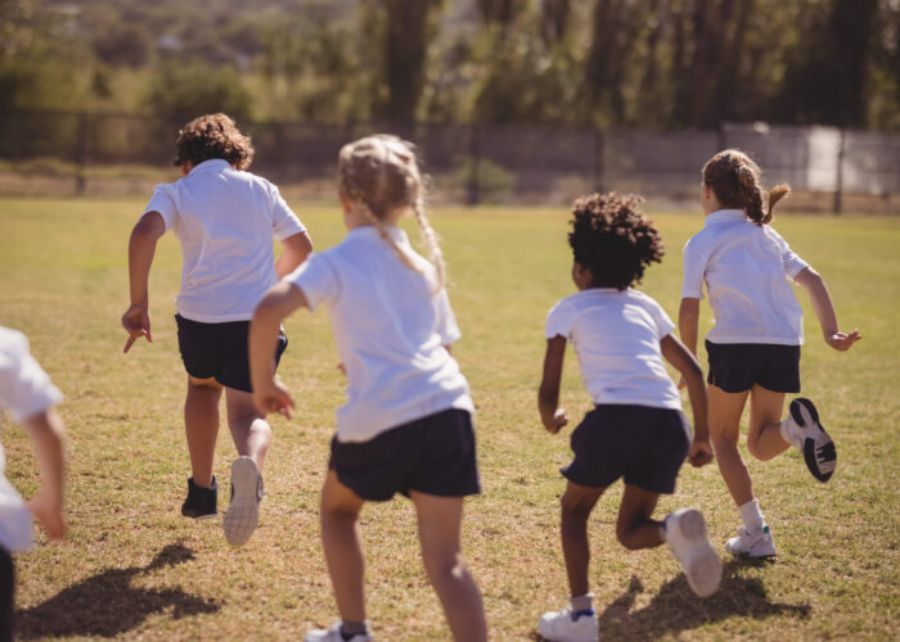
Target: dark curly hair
x,y
213,136
613,239
736,180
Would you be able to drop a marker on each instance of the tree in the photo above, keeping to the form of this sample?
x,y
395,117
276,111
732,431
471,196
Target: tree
x,y
406,48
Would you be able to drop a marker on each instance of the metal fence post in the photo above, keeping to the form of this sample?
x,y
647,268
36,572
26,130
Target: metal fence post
x,y
599,158
80,156
473,187
839,174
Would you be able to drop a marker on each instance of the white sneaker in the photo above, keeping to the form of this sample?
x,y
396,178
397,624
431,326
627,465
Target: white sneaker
x,y
333,634
558,626
803,430
688,539
242,515
755,543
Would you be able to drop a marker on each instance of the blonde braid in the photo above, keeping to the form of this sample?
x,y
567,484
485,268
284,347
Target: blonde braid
x,y
393,181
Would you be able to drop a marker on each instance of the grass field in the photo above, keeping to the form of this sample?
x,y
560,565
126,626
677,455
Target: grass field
x,y
133,569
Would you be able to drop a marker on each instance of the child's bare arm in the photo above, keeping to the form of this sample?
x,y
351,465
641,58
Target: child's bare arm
x,y
47,435
676,353
296,248
688,322
552,416
141,248
814,284
269,394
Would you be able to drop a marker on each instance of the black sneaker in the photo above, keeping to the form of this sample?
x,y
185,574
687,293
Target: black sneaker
x,y
200,502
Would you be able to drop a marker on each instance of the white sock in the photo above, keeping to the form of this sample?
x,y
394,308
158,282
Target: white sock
x,y
786,434
582,602
752,516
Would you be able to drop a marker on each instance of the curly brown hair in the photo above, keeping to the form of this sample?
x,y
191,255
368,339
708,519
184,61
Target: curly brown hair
x,y
213,136
736,180
613,239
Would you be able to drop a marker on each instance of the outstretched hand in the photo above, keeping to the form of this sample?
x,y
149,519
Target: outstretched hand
x,y
842,341
700,453
136,322
273,397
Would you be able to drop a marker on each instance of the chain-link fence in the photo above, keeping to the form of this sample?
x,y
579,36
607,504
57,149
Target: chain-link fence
x,y
76,153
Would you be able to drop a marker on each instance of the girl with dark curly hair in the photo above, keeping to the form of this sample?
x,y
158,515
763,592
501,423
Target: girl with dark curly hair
x,y
637,430
225,219
754,346
407,425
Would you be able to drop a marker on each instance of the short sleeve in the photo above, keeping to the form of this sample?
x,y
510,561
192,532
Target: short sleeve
x,y
662,321
25,389
694,261
318,279
791,261
560,320
445,320
284,222
163,202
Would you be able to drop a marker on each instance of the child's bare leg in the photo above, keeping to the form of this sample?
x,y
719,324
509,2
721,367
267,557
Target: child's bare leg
x,y
634,528
201,425
250,431
340,509
577,503
725,409
440,519
764,440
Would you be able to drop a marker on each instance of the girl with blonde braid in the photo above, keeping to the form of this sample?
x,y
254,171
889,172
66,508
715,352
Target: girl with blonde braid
x,y
407,423
754,346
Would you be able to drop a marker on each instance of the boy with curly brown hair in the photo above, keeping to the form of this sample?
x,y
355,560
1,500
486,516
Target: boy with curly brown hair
x,y
225,218
637,430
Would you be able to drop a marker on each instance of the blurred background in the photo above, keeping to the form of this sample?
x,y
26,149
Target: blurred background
x,y
508,100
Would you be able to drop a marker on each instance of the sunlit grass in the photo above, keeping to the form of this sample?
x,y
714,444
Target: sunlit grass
x,y
63,281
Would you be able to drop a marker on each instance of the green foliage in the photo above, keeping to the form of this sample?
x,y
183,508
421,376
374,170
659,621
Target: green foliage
x,y
494,182
608,63
180,92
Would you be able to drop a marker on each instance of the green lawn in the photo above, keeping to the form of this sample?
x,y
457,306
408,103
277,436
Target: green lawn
x,y
132,568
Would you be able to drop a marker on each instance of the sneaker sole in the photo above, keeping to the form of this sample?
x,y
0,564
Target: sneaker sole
x,y
821,459
242,515
549,636
704,572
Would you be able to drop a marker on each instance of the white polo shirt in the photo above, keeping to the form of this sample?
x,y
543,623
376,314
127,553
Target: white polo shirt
x,y
748,271
390,329
25,390
225,220
616,336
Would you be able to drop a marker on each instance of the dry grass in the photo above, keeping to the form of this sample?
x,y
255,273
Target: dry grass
x,y
133,569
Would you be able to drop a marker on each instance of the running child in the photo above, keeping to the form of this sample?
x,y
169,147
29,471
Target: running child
x,y
407,423
27,393
225,218
637,430
754,346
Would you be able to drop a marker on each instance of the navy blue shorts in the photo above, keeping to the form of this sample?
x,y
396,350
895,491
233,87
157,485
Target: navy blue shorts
x,y
220,351
737,367
433,455
645,446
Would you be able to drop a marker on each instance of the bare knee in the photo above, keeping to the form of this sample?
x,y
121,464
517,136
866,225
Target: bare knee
x,y
625,535
754,449
443,566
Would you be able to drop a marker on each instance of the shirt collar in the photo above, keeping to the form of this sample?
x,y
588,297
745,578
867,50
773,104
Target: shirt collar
x,y
725,216
370,232
212,165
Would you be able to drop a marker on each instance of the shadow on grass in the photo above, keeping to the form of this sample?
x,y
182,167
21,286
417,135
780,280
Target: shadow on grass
x,y
675,608
106,604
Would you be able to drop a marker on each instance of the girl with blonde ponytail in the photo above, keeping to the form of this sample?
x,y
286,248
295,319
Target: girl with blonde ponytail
x,y
754,346
407,423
